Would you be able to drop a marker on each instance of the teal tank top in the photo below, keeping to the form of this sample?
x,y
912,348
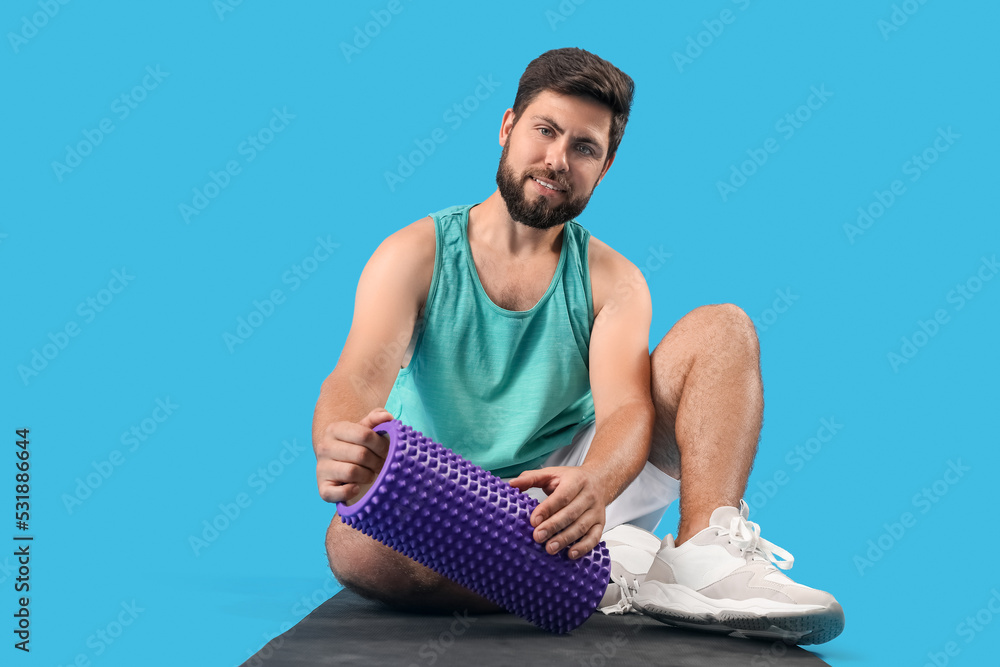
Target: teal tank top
x,y
502,388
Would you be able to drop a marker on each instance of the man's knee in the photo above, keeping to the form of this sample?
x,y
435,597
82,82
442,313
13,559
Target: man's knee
x,y
375,571
725,326
358,564
727,317
723,332
339,554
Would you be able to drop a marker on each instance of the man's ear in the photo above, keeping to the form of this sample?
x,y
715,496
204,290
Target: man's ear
x,y
506,126
607,166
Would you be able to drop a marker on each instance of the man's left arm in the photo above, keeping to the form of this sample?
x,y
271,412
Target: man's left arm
x,y
620,384
574,513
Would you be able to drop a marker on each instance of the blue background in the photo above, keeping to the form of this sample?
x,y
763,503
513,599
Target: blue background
x,y
324,176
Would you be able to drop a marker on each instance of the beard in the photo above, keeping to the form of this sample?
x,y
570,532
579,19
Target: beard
x,y
536,211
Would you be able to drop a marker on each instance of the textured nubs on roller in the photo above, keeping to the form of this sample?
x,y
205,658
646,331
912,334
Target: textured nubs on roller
x,y
467,524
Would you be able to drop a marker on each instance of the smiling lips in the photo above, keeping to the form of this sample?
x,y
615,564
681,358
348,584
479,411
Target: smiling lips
x,y
547,185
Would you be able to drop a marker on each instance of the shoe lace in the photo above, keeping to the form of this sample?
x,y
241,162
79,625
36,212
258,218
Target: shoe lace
x,y
745,534
628,586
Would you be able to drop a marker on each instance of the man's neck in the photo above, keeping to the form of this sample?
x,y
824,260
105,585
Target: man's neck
x,y
490,225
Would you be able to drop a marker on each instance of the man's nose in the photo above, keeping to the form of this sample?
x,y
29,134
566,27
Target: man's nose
x,y
555,157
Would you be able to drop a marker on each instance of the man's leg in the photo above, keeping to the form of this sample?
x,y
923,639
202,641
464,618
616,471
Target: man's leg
x,y
377,572
709,400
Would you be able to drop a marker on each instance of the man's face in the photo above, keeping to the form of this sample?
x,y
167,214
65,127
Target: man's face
x,y
553,158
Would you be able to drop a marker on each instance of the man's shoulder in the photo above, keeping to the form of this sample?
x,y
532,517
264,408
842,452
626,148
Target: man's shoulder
x,y
414,240
458,210
416,230
404,260
610,273
421,233
607,263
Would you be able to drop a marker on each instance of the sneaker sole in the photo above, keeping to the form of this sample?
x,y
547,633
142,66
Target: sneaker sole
x,y
792,626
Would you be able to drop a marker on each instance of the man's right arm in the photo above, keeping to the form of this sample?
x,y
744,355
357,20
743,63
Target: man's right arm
x,y
391,291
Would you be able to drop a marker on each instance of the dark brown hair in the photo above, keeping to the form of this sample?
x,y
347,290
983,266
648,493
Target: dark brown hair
x,y
573,71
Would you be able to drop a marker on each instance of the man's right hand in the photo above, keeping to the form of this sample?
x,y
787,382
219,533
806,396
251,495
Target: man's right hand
x,y
350,456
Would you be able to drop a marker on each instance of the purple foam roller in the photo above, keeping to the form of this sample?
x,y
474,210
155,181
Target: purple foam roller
x,y
467,524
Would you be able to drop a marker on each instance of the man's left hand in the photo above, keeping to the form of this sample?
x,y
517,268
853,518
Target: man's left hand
x,y
573,514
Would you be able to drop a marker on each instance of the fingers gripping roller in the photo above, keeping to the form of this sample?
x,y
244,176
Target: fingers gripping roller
x,y
470,526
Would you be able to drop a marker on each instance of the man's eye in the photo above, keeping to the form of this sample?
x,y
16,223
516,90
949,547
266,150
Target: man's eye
x,y
545,131
586,150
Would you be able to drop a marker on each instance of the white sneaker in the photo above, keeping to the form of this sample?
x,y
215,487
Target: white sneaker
x,y
726,579
632,551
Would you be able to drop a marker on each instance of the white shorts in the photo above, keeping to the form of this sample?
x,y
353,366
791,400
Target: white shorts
x,y
641,504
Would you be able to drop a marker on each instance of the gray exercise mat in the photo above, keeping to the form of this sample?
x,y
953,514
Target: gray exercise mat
x,y
350,630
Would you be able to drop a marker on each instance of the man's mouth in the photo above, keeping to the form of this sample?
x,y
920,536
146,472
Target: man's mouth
x,y
547,184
